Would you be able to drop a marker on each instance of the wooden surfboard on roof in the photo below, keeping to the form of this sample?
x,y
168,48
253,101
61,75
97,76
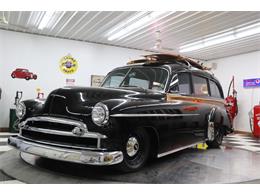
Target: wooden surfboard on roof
x,y
166,58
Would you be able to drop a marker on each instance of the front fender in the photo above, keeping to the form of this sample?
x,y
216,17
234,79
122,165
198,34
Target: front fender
x,y
33,107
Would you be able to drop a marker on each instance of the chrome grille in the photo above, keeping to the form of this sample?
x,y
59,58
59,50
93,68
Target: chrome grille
x,y
61,131
51,125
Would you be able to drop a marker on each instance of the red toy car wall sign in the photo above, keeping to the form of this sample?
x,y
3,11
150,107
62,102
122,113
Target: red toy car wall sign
x,y
22,73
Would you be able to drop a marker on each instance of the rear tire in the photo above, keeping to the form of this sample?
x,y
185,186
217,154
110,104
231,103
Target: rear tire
x,y
27,78
136,150
13,76
217,140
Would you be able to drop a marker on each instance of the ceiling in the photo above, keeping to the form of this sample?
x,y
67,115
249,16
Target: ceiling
x,y
176,29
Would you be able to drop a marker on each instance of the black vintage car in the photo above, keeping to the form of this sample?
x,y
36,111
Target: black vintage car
x,y
151,108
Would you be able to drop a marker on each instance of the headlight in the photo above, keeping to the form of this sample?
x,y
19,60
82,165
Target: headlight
x,y
20,110
100,114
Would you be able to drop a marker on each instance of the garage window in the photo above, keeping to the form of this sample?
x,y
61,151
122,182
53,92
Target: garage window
x,y
200,86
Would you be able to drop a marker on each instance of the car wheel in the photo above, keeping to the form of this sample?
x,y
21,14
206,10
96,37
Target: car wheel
x,y
136,150
27,78
13,76
217,140
34,77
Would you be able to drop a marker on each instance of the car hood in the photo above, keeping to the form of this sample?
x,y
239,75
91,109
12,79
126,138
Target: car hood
x,y
80,100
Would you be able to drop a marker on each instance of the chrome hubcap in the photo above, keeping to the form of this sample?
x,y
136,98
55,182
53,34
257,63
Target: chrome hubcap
x,y
132,146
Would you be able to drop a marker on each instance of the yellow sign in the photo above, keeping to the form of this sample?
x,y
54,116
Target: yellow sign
x,y
68,64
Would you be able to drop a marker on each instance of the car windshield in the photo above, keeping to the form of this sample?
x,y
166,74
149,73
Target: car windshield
x,y
142,77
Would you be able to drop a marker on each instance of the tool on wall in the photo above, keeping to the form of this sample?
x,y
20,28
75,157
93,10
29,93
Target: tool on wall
x,y
231,101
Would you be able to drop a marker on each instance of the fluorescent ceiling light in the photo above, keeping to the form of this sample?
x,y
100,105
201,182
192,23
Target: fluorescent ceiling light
x,y
45,20
222,38
135,23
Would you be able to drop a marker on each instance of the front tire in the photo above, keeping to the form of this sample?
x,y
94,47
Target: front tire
x,y
136,150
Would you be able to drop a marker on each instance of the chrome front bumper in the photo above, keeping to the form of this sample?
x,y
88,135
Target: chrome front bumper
x,y
63,154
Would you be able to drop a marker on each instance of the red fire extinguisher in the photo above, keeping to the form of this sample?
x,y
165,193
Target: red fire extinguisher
x,y
231,101
255,121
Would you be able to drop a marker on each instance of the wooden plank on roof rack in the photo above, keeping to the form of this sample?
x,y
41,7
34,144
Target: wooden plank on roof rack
x,y
160,58
175,57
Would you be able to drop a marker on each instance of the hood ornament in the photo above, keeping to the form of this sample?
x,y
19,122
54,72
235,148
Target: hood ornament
x,y
78,131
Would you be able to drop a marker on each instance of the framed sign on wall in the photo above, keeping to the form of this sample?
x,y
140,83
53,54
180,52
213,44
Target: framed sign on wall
x,y
70,82
68,64
248,83
96,80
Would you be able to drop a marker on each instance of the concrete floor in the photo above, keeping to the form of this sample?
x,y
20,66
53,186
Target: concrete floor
x,y
225,165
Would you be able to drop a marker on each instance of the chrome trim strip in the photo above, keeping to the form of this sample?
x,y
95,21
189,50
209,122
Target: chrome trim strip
x,y
66,133
177,149
75,113
61,96
152,115
64,154
79,124
152,105
60,145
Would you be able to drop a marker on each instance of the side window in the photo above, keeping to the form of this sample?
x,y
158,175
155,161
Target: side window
x,y
200,86
181,84
174,85
214,90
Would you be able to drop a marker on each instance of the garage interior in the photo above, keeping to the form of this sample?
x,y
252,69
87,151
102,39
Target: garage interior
x,y
226,42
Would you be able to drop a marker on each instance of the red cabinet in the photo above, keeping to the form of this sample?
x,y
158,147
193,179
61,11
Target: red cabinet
x,y
256,121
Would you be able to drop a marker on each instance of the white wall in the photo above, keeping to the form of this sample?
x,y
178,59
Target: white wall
x,y
41,55
1,80
244,66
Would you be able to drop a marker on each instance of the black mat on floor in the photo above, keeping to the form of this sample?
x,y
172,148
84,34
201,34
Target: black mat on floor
x,y
4,177
172,169
225,165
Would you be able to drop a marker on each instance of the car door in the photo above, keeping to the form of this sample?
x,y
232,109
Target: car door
x,y
182,127
201,94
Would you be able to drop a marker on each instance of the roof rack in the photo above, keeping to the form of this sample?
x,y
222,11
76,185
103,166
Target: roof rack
x,y
167,58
